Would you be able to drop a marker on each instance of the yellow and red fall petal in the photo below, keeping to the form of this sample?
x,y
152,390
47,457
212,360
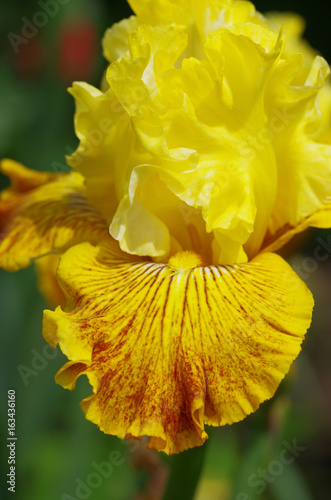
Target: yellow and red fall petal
x,y
320,219
43,213
170,348
22,180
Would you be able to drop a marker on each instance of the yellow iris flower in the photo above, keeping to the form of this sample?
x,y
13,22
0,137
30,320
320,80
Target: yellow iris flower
x,y
206,150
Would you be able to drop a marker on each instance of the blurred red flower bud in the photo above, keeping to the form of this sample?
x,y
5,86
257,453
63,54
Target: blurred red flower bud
x,y
77,50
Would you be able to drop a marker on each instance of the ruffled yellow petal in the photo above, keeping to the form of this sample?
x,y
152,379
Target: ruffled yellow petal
x,y
244,56
100,123
196,139
211,15
158,12
207,15
294,25
304,164
300,97
115,42
44,213
211,103
170,348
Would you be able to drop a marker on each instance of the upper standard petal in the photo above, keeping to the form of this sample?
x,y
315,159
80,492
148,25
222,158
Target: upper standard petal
x,y
213,104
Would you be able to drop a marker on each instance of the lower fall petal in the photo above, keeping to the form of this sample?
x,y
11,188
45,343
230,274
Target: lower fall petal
x,y
171,347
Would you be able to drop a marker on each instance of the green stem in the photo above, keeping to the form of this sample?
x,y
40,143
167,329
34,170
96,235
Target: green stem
x,y
185,472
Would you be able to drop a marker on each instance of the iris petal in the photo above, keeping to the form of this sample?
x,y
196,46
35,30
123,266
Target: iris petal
x,y
170,348
44,213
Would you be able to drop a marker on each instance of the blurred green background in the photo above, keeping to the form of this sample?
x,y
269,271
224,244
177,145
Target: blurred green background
x,y
56,445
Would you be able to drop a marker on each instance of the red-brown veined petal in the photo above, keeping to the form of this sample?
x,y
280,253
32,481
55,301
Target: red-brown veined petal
x,y
43,213
170,348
